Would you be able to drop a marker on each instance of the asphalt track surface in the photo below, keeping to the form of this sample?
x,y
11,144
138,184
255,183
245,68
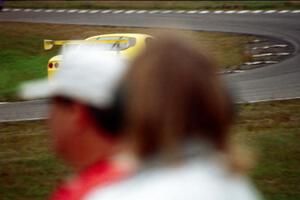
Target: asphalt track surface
x,y
276,81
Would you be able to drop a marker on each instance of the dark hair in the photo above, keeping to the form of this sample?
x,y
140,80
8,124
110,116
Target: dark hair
x,y
110,119
175,94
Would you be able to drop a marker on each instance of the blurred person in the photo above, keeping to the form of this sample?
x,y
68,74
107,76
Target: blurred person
x,y
85,119
178,120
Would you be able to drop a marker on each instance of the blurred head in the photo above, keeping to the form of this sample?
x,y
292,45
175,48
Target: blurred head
x,y
85,116
175,96
81,134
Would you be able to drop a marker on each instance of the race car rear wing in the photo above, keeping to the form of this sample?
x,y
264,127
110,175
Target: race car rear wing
x,y
49,44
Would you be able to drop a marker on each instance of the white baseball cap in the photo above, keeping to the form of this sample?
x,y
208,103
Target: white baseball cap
x,y
87,74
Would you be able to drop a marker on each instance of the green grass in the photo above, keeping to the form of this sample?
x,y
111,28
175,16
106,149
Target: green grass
x,y
273,131
22,57
270,129
27,169
210,5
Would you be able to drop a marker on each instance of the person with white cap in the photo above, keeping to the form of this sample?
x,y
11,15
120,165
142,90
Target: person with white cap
x,y
171,112
85,118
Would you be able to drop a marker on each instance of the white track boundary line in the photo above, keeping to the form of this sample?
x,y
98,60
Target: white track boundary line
x,y
218,11
203,11
83,11
152,11
49,10
72,11
141,11
118,11
268,100
106,11
283,11
243,11
93,11
192,12
129,11
20,102
271,54
271,46
230,11
270,11
166,11
26,119
60,10
296,11
37,10
256,11
180,11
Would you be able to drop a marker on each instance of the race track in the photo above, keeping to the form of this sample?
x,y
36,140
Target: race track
x,y
277,81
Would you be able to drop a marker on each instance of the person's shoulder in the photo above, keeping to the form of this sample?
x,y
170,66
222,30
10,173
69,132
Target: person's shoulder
x,y
99,175
193,181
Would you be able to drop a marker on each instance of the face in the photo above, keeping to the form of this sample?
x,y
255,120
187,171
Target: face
x,y
62,127
75,136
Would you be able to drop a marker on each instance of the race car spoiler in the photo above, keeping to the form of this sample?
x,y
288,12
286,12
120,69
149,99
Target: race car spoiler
x,y
49,44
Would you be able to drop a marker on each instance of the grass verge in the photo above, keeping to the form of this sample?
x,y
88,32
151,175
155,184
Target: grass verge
x,y
23,58
27,169
271,129
189,5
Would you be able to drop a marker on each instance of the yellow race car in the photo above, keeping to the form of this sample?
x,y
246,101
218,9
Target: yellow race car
x,y
125,44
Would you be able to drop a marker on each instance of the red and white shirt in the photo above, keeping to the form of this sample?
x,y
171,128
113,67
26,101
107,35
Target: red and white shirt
x,y
100,174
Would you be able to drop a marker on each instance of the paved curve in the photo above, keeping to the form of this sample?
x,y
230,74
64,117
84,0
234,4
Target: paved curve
x,y
278,81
